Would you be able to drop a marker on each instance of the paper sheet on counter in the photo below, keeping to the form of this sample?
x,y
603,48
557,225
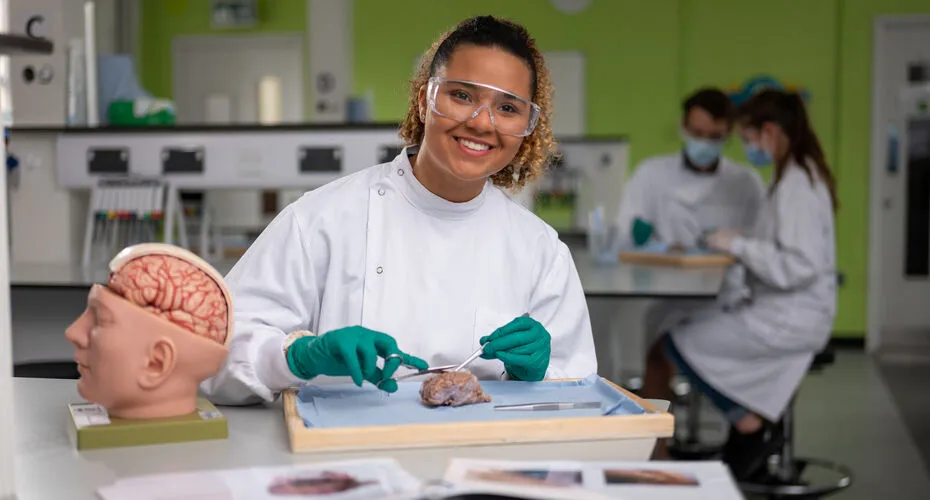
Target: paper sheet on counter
x,y
570,480
349,480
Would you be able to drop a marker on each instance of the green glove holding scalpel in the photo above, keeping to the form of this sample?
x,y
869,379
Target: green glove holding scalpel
x,y
523,345
353,352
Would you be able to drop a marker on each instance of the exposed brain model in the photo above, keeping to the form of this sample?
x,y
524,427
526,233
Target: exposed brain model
x,y
168,284
147,339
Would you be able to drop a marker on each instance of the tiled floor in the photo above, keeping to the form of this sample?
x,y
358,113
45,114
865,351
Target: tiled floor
x,y
871,417
874,419
848,414
908,385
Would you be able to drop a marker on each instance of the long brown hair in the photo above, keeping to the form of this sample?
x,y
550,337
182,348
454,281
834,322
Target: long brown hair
x,y
787,109
538,148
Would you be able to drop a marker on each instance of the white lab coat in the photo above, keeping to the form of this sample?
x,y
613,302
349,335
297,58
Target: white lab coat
x,y
757,353
378,249
682,204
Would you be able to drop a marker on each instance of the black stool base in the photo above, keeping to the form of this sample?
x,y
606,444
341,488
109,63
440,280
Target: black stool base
x,y
694,451
811,479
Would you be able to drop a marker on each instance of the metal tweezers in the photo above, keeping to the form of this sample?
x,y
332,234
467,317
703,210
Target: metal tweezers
x,y
438,369
549,406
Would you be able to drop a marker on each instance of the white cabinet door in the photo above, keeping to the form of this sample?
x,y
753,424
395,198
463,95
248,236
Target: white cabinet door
x,y
901,179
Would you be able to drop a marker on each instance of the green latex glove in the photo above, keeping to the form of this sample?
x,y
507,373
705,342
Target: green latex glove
x,y
352,352
642,231
523,345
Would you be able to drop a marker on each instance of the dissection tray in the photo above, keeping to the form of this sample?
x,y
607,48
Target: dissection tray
x,y
345,417
662,255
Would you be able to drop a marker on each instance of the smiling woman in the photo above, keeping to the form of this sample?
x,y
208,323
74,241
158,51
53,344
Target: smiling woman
x,y
479,108
425,253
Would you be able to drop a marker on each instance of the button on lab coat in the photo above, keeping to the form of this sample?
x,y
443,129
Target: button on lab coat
x,y
378,249
758,353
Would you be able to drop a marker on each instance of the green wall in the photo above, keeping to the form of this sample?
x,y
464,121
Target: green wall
x,y
642,58
631,50
722,45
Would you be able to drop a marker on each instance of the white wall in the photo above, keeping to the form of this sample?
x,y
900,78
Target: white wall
x,y
46,221
45,104
34,103
106,16
330,50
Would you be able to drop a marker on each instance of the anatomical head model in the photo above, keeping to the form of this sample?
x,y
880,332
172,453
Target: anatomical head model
x,y
158,328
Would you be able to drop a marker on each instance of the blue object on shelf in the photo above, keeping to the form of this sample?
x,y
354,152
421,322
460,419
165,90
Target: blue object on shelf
x,y
11,160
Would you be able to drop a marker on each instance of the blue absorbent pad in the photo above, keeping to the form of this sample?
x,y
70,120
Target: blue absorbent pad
x,y
347,405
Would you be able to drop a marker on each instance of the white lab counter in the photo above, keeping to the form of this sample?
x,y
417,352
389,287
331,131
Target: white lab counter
x,y
618,296
598,280
48,465
624,280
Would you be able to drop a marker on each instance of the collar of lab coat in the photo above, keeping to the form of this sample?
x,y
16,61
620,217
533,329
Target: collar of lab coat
x,y
423,199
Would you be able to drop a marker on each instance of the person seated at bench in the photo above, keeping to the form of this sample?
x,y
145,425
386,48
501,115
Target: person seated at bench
x,y
750,356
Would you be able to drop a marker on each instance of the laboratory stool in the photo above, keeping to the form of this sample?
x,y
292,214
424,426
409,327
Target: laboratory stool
x,y
690,446
789,476
47,369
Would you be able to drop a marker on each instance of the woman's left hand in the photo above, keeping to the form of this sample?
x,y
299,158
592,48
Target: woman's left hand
x,y
721,240
524,347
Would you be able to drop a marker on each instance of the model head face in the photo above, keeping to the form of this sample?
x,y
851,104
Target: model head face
x,y
159,307
110,360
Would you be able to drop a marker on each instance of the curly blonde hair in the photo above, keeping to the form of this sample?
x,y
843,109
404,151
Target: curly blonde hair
x,y
537,149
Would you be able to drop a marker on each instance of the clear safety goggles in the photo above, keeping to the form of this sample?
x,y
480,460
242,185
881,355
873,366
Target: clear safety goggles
x,y
462,101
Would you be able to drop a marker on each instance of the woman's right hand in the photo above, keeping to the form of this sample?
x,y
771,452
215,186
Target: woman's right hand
x,y
352,352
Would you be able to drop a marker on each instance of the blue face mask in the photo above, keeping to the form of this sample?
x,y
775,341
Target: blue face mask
x,y
702,153
756,155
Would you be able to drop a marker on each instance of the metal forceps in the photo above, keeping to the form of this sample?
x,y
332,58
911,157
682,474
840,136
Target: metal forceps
x,y
478,353
436,369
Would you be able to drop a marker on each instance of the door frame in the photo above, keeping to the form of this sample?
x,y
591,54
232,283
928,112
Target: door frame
x,y
882,25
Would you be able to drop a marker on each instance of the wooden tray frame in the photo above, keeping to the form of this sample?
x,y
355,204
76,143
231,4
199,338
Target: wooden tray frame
x,y
672,259
654,424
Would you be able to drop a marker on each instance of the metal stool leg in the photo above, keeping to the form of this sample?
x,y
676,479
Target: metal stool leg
x,y
785,469
791,477
694,417
691,447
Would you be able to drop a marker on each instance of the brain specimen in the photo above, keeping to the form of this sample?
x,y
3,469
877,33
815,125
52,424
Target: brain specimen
x,y
452,389
176,290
